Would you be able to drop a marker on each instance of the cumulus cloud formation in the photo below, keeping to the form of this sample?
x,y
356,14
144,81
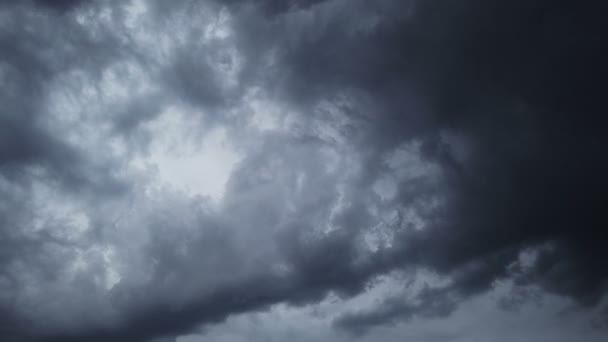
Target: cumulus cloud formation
x,y
315,170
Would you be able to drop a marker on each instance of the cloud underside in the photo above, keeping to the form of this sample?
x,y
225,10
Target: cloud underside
x,y
165,166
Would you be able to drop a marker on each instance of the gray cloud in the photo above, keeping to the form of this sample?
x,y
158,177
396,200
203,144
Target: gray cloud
x,y
454,137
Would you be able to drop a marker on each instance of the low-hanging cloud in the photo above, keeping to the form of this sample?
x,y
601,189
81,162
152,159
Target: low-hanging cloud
x,y
359,139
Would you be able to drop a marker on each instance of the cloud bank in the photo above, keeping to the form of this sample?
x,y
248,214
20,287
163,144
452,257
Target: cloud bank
x,y
169,168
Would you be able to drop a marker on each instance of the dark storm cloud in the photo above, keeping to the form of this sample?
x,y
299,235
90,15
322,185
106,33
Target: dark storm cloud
x,y
472,278
503,96
531,117
275,7
518,84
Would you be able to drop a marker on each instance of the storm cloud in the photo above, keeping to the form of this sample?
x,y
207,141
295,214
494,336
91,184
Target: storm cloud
x,y
326,169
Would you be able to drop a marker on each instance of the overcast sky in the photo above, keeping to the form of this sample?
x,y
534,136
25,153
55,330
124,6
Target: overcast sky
x,y
303,170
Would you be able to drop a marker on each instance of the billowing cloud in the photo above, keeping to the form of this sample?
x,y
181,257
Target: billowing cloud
x,y
168,169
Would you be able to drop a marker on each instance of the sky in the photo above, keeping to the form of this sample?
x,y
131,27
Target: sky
x,y
303,170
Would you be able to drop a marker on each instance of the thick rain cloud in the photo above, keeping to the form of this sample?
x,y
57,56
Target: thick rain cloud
x,y
325,170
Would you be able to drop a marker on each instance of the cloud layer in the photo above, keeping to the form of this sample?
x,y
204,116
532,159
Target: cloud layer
x,y
168,168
